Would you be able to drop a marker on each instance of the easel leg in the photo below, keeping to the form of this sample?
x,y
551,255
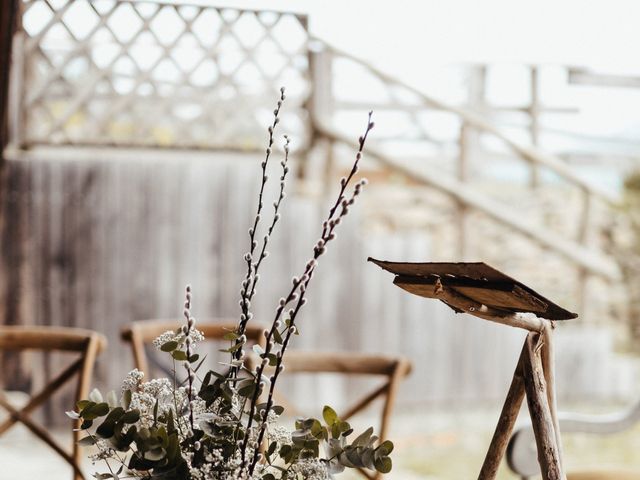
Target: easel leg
x,y
539,409
548,365
508,416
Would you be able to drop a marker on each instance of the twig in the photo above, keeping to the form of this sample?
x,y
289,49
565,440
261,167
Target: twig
x,y
300,284
251,278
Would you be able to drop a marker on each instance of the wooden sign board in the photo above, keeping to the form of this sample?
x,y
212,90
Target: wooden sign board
x,y
475,280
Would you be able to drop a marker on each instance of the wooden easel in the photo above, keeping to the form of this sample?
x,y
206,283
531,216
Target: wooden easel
x,y
481,291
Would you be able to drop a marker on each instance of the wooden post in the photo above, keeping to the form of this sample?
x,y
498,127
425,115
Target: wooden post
x,y
507,420
320,104
540,412
463,176
468,142
534,114
8,22
329,167
583,238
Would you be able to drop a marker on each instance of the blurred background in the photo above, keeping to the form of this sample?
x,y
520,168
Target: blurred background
x,y
506,132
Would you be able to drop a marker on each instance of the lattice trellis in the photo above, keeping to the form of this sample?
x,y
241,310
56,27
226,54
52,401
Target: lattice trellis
x,y
144,73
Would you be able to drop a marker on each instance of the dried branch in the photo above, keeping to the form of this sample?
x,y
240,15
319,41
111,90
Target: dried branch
x,y
297,292
253,265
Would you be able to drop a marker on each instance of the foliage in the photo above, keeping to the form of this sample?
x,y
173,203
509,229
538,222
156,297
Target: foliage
x,y
222,425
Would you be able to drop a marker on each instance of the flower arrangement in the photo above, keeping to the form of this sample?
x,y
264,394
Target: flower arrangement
x,y
223,425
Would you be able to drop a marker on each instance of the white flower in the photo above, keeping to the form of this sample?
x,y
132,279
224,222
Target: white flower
x,y
132,380
195,336
311,469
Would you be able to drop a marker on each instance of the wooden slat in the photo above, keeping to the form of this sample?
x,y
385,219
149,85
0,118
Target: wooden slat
x,y
45,338
516,299
477,281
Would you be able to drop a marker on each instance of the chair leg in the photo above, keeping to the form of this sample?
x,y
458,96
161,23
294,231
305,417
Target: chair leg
x,y
86,373
42,434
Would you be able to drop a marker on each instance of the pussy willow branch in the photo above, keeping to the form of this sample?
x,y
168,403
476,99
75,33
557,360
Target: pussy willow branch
x,y
276,215
187,331
251,277
300,284
344,181
279,367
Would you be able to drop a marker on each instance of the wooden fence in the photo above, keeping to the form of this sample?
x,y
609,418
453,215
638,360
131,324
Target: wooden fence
x,y
97,242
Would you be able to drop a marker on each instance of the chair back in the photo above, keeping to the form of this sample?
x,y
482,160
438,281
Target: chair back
x,y
141,333
391,369
86,343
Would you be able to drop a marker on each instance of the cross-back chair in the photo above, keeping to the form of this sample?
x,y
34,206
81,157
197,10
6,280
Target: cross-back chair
x,y
86,343
141,333
393,369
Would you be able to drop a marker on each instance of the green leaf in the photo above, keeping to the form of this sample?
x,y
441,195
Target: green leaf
x,y
132,416
230,336
272,448
329,414
169,346
179,355
385,448
272,357
383,464
247,390
94,410
362,439
233,348
126,399
106,429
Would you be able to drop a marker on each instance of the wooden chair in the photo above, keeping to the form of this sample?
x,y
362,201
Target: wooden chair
x,y
392,369
87,343
141,333
521,456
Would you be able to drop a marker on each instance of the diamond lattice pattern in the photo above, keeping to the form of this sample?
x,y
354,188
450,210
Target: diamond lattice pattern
x,y
141,73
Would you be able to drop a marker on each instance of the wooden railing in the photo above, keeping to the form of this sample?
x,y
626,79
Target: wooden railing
x,y
586,258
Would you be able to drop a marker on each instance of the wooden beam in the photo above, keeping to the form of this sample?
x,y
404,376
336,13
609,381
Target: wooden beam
x,y
584,77
478,121
591,260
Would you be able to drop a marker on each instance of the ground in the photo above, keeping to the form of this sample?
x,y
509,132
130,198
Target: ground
x,y
432,446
